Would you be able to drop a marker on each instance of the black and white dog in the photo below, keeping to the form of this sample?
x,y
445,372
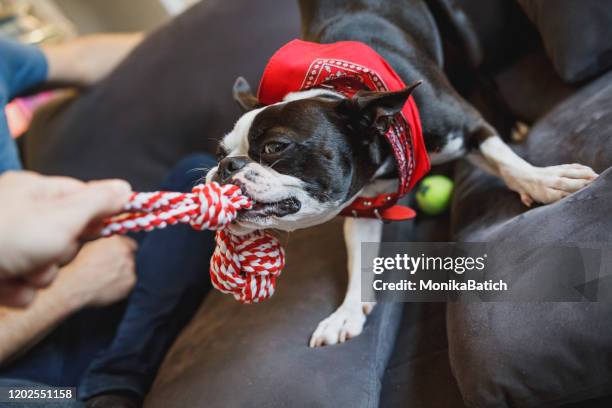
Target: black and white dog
x,y
304,159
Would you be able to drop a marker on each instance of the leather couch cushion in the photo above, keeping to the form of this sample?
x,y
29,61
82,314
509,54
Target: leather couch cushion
x,y
576,35
233,355
539,354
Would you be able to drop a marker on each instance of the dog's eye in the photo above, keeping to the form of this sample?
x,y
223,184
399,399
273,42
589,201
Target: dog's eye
x,y
274,147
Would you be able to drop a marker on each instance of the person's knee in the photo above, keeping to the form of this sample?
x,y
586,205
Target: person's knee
x,y
188,172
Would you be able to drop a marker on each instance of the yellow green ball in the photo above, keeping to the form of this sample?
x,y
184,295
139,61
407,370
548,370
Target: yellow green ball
x,y
434,194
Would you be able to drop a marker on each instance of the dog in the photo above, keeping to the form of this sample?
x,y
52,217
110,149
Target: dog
x,y
308,157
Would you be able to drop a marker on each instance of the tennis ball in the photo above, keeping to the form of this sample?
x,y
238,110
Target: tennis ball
x,y
434,194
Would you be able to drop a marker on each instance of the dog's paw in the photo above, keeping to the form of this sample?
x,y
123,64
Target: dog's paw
x,y
344,324
549,184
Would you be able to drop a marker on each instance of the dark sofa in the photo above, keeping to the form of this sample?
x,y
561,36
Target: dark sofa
x,y
172,96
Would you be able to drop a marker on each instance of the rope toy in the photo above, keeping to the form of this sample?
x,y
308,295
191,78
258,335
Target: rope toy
x,y
245,266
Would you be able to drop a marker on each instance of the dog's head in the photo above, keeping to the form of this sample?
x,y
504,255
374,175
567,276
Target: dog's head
x,y
302,160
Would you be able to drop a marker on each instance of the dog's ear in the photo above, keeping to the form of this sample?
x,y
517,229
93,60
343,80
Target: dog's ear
x,y
243,94
375,109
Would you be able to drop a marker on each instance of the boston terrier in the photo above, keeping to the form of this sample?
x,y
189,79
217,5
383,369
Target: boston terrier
x,y
329,134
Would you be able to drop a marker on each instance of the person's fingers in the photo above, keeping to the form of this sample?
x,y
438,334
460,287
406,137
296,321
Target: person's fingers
x,y
43,278
92,202
131,244
51,187
70,252
16,294
38,186
92,231
19,178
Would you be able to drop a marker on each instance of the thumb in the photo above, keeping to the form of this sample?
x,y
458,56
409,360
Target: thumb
x,y
96,200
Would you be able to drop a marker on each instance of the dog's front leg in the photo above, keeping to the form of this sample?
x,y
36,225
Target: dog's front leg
x,y
348,320
534,184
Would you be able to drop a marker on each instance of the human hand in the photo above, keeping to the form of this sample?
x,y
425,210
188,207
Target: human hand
x,y
102,273
42,220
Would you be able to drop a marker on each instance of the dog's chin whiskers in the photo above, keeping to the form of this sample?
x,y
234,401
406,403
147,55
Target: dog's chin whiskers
x,y
276,162
204,170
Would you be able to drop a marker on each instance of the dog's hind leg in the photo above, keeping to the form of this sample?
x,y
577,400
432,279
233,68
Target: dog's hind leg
x,y
534,184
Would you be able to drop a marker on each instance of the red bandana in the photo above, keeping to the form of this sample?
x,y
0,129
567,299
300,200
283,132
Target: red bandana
x,y
347,67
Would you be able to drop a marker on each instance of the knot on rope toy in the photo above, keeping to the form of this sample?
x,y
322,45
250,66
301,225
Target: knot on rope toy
x,y
245,266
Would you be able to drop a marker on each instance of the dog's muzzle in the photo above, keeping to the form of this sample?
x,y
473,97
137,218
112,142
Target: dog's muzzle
x,y
229,167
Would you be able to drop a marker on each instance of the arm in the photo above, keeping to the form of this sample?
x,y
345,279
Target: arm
x,y
22,328
88,59
79,284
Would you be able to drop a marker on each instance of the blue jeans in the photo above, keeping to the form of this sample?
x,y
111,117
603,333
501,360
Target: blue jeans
x,y
21,68
9,155
120,348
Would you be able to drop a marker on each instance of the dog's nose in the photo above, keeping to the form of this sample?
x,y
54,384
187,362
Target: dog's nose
x,y
230,166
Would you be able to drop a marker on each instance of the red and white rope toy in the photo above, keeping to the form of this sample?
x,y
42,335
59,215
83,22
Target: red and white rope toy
x,y
245,266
